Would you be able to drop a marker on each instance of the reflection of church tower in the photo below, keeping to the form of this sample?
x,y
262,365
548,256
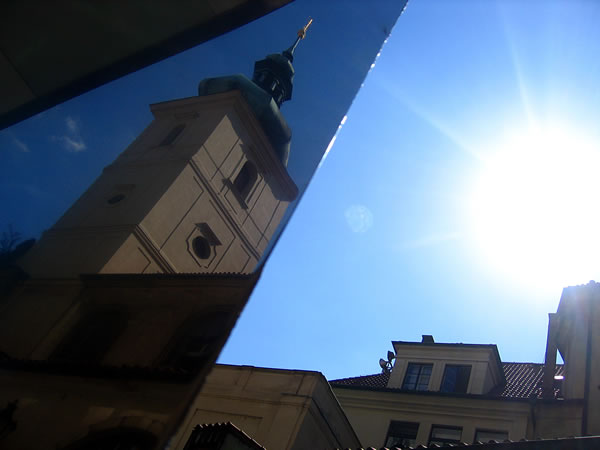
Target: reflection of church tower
x,y
113,358
201,190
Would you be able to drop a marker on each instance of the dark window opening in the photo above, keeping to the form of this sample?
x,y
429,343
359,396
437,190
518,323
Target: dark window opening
x,y
115,199
91,338
456,379
201,247
444,435
485,436
417,377
169,138
245,179
401,434
220,436
197,344
116,439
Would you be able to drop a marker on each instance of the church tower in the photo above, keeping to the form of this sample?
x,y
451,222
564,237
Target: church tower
x,y
133,292
201,190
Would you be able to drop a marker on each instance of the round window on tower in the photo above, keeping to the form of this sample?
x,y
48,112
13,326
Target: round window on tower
x,y
201,247
115,199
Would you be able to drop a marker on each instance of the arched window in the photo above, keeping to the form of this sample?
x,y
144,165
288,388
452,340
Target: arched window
x,y
245,179
169,138
91,338
116,439
196,344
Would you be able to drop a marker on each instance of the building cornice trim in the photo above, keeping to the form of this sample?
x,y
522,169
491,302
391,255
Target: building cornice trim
x,y
284,186
224,211
153,249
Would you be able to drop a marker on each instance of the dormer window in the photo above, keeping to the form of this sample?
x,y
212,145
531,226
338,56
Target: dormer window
x,y
456,379
417,377
455,365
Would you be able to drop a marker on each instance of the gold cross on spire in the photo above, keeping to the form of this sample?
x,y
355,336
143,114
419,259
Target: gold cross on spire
x,y
302,31
289,53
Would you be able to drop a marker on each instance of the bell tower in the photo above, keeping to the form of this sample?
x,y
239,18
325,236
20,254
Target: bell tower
x,y
201,190
134,291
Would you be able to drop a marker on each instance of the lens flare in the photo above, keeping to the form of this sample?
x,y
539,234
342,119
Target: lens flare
x,y
534,209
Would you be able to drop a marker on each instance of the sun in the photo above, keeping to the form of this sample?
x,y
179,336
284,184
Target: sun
x,y
535,210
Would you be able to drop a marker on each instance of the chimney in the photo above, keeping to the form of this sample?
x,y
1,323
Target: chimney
x,y
427,339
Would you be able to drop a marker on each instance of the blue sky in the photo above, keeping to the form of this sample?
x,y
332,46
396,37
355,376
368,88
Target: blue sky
x,y
386,244
50,159
452,82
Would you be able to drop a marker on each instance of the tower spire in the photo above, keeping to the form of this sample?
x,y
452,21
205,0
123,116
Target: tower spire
x,y
275,73
271,85
289,53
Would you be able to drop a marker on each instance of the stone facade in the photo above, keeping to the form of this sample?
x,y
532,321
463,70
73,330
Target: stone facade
x,y
280,409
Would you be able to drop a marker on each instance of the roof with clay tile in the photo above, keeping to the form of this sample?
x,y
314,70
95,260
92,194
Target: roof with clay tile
x,y
523,380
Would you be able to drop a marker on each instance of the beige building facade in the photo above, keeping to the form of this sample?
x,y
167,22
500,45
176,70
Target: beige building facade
x,y
385,415
575,332
280,409
440,393
199,191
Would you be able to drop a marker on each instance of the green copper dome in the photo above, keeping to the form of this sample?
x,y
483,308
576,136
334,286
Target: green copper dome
x,y
271,85
264,107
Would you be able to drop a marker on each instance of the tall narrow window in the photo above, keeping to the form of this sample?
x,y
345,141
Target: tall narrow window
x,y
417,377
92,337
456,379
170,138
442,435
245,179
402,434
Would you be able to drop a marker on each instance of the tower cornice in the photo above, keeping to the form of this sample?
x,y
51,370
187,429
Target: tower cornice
x,y
283,186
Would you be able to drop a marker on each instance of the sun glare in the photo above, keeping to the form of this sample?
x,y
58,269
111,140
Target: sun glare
x,y
535,211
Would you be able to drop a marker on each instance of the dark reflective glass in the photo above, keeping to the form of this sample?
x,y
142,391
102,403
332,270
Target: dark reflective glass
x,y
442,435
401,434
90,338
311,82
211,147
456,378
